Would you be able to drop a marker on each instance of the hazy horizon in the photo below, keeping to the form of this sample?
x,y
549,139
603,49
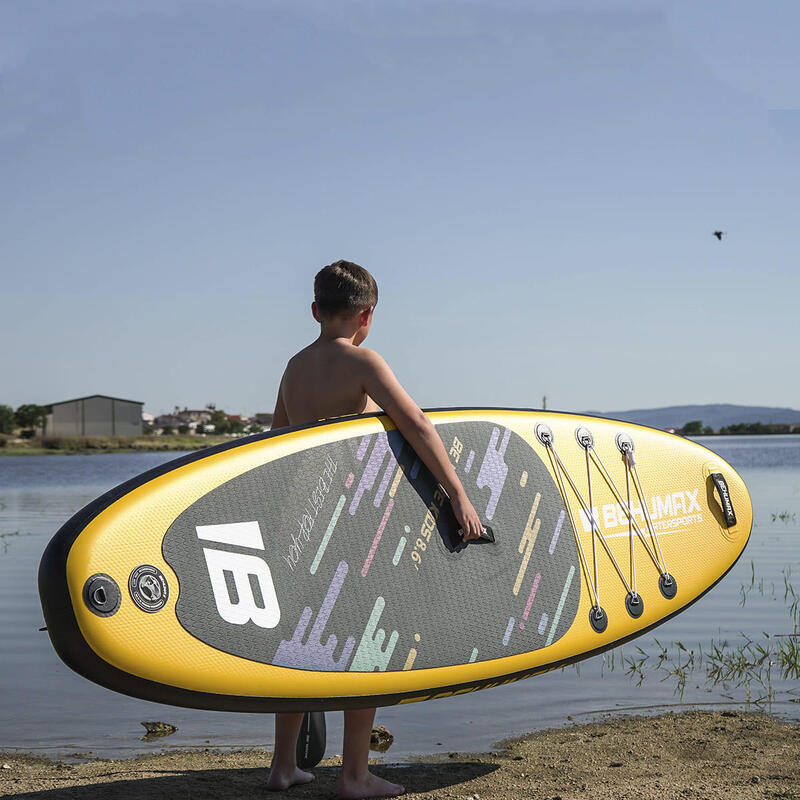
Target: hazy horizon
x,y
535,187
251,412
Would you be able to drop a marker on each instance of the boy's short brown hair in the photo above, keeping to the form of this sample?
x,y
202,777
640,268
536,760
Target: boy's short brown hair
x,y
344,288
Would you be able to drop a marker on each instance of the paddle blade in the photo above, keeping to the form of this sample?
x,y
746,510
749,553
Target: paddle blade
x,y
311,740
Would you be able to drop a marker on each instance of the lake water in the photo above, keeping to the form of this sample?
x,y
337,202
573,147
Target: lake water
x,y
46,708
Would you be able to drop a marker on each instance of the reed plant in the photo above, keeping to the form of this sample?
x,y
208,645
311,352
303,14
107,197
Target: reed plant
x,y
750,664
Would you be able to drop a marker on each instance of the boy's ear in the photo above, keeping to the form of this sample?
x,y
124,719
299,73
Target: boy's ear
x,y
315,311
364,316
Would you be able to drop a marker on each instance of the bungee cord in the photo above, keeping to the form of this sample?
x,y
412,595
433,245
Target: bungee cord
x,y
633,600
630,463
557,467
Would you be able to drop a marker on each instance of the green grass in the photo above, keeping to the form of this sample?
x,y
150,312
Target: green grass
x,y
72,445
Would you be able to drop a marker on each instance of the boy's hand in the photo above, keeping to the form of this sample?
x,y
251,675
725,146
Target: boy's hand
x,y
467,516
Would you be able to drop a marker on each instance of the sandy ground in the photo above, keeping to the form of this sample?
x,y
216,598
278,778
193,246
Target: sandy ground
x,y
691,755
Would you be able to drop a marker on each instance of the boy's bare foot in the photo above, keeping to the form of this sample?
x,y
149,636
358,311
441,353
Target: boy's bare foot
x,y
278,780
368,786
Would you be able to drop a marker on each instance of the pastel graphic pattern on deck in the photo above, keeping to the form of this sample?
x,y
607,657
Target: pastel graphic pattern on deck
x,y
494,470
371,653
367,562
313,654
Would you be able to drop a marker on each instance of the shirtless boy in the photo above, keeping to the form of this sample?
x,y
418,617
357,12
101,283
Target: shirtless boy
x,y
332,377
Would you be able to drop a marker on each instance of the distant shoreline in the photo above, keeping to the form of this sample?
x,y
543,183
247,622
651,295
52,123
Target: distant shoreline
x,y
71,446
740,433
80,445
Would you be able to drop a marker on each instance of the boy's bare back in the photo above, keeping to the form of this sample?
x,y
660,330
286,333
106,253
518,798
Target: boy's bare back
x,y
325,379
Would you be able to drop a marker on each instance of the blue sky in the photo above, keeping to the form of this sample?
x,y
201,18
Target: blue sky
x,y
534,186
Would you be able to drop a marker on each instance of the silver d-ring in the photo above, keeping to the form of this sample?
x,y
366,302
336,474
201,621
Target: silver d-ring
x,y
544,434
584,437
624,443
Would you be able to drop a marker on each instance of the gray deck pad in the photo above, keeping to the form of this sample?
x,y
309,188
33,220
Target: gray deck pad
x,y
347,556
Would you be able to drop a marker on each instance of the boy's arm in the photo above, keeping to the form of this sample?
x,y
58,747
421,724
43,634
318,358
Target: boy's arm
x,y
383,387
280,419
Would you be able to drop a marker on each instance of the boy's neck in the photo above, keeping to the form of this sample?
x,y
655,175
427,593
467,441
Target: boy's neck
x,y
339,328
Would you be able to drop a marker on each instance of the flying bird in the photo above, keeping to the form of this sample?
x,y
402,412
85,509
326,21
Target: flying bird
x,y
719,234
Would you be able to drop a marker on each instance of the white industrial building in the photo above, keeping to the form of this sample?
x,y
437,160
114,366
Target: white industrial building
x,y
95,415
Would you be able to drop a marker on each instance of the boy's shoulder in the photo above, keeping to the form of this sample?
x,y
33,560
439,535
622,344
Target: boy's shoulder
x,y
366,358
360,363
350,352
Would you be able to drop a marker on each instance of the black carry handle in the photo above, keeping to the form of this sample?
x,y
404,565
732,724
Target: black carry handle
x,y
721,485
487,534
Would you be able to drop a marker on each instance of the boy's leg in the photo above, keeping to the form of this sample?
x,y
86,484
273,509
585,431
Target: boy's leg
x,y
284,771
356,780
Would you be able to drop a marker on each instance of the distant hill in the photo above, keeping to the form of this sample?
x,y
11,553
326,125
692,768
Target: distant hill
x,y
715,415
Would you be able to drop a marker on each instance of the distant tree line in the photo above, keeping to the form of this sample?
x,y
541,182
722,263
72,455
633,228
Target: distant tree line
x,y
29,417
696,428
757,427
220,423
224,424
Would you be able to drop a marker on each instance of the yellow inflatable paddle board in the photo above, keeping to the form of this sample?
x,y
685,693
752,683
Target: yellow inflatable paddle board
x,y
320,567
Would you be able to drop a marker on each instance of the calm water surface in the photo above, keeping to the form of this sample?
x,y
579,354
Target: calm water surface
x,y
45,707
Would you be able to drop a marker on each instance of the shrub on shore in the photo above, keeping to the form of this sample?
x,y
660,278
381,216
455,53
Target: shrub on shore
x,y
70,445
110,444
87,442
